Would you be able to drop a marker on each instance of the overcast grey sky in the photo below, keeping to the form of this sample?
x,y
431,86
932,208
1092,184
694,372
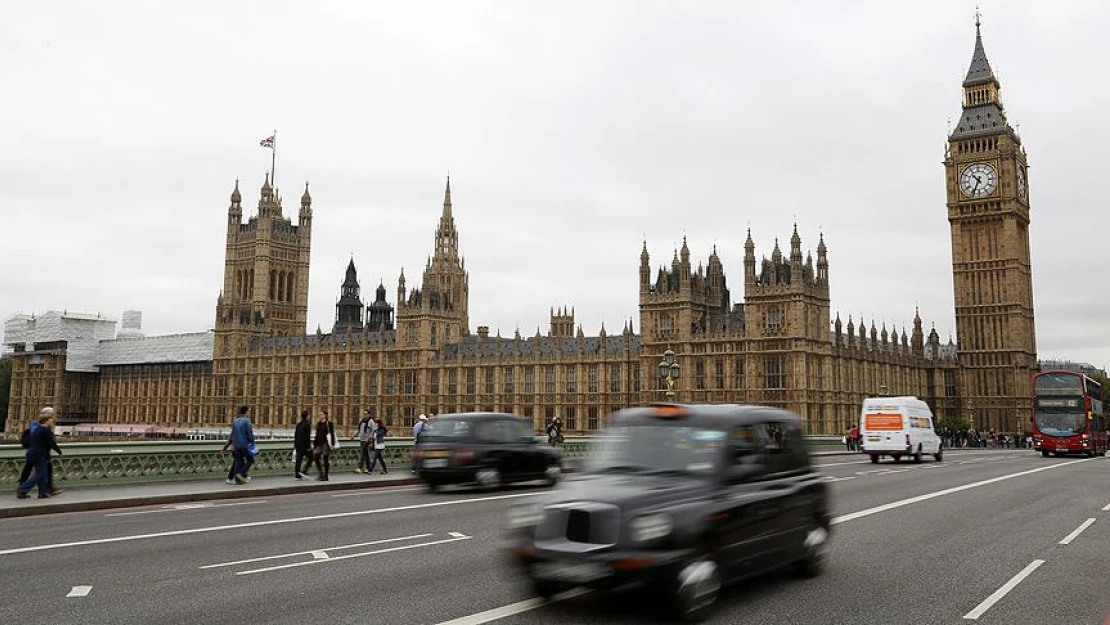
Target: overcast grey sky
x,y
572,131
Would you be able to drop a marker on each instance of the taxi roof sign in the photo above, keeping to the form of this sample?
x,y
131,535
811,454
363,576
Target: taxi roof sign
x,y
669,411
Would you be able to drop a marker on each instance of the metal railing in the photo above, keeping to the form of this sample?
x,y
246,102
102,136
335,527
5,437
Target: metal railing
x,y
113,463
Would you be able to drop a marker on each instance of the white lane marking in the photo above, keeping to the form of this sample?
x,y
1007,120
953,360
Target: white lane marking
x,y
531,604
80,591
456,534
1003,591
948,491
839,479
353,555
378,491
889,471
313,552
235,526
320,555
1075,534
180,507
513,608
840,464
1106,507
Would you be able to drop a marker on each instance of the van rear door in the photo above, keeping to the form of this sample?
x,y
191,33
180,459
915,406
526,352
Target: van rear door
x,y
884,427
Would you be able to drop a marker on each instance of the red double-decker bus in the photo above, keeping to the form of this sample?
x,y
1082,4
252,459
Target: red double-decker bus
x,y
1067,414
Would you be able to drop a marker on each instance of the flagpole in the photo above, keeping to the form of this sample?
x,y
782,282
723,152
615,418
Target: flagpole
x,y
273,161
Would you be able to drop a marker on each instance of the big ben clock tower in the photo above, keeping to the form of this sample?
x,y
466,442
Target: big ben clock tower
x,y
988,210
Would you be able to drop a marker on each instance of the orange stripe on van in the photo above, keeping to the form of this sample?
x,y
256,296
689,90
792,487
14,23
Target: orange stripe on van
x,y
882,422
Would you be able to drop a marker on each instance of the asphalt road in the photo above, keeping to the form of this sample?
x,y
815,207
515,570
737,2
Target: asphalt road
x,y
927,543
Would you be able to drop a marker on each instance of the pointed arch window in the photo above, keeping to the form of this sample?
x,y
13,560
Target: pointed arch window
x,y
281,286
273,285
289,287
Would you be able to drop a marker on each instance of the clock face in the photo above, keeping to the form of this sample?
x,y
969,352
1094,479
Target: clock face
x,y
1021,182
978,180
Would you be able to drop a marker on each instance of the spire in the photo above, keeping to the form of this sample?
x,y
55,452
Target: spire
x,y
980,70
644,256
235,196
352,274
685,251
447,237
306,197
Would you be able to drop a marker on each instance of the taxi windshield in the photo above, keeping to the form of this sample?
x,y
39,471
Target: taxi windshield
x,y
658,449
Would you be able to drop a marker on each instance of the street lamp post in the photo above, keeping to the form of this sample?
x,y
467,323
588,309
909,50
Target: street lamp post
x,y
668,372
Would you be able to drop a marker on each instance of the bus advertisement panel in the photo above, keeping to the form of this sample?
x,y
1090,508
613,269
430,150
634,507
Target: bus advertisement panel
x,y
1067,414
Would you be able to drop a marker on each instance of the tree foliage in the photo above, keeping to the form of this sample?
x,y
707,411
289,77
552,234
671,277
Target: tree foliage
x,y
954,424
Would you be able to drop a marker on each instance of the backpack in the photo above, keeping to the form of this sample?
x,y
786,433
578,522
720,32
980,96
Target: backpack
x,y
25,438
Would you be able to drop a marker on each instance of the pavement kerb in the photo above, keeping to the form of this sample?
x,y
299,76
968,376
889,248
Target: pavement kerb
x,y
232,493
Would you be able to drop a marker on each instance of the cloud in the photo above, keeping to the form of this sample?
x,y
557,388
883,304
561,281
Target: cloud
x,y
573,132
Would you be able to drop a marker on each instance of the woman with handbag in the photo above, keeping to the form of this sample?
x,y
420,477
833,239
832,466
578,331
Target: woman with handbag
x,y
379,446
323,445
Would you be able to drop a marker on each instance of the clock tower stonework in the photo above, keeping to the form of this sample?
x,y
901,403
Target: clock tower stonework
x,y
988,210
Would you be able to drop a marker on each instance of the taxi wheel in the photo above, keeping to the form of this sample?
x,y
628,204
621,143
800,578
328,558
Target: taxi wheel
x,y
939,456
553,474
488,478
813,547
874,458
917,455
696,588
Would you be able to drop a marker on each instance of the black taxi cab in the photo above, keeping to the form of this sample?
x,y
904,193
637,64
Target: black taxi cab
x,y
684,498
490,449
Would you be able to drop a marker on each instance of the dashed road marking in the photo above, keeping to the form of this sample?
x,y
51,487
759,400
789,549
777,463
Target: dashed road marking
x,y
1075,534
1003,591
1106,507
188,506
80,591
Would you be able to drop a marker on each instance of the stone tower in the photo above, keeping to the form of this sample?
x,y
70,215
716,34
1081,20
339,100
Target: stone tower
x,y
988,210
266,263
437,312
787,297
683,302
348,310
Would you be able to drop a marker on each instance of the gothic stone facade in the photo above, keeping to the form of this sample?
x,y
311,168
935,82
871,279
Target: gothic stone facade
x,y
779,347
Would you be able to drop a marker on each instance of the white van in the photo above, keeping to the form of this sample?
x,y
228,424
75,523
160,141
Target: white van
x,y
896,427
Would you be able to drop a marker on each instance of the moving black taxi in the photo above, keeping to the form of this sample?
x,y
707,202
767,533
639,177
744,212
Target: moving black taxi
x,y
489,449
684,498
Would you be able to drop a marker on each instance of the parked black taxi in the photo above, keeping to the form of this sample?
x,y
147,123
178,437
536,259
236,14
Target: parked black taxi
x,y
684,498
490,449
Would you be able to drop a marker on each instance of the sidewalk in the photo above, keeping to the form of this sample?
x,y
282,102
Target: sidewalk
x,y
156,493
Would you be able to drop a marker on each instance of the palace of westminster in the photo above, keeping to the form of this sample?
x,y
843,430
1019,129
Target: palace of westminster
x,y
780,347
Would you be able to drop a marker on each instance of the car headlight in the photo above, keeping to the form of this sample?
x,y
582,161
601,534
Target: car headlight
x,y
650,527
525,515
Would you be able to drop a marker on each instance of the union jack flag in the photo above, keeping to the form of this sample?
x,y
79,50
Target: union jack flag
x,y
268,142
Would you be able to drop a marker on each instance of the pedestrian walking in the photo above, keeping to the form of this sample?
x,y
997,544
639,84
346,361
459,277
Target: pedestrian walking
x,y
417,430
25,440
555,432
379,447
242,437
323,445
302,447
365,439
38,453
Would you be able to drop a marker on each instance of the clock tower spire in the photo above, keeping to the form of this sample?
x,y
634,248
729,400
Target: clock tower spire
x,y
988,211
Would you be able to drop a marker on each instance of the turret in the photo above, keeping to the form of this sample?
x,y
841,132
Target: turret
x,y
645,270
749,258
796,249
822,261
917,342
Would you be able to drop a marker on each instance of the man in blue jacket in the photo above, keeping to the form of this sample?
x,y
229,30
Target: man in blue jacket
x,y
38,454
242,437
